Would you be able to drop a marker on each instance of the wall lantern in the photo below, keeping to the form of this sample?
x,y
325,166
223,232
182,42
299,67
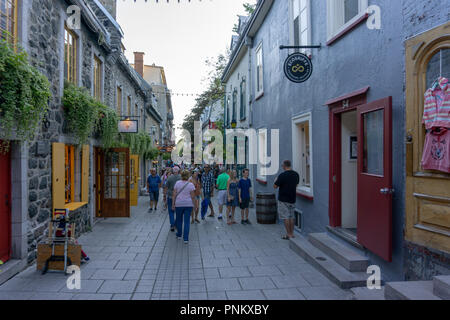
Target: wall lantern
x,y
233,124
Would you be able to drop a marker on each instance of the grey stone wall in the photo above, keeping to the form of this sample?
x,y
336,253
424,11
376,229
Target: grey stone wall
x,y
45,40
423,263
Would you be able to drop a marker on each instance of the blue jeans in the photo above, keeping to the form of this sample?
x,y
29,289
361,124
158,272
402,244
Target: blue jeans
x,y
173,223
183,216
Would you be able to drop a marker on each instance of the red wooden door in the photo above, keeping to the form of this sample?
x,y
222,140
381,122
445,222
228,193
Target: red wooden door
x,y
5,206
375,177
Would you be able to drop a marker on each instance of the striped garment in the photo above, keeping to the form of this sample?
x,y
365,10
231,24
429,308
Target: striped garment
x,y
437,105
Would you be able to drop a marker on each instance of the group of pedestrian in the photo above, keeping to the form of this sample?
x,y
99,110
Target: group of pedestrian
x,y
188,193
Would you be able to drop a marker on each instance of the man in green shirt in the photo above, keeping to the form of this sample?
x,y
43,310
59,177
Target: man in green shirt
x,y
221,184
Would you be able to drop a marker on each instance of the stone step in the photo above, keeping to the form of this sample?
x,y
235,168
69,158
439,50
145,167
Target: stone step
x,y
346,257
410,290
441,287
327,266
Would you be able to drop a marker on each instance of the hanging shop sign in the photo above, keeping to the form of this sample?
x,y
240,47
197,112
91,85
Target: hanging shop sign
x,y
298,67
128,126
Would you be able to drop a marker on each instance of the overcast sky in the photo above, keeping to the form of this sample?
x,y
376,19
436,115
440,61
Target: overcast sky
x,y
179,37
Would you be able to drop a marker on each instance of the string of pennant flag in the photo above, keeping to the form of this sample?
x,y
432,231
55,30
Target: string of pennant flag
x,y
181,94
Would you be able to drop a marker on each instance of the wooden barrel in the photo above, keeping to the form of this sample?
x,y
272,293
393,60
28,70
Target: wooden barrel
x,y
266,208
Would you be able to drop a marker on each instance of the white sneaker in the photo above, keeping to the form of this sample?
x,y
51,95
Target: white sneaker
x,y
186,242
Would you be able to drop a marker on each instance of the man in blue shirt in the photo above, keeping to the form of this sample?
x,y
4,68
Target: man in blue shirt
x,y
153,186
245,196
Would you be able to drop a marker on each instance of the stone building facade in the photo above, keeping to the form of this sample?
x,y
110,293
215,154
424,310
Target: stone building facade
x,y
41,33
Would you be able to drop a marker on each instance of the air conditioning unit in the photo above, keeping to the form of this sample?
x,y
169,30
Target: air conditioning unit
x,y
298,219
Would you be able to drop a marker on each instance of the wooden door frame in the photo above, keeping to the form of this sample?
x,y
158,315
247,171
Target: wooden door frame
x,y
419,50
98,183
127,180
338,106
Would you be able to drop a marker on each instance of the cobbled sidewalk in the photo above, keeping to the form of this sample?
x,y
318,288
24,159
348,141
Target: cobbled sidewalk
x,y
139,258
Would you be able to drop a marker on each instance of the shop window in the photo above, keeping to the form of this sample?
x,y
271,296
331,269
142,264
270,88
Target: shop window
x,y
129,106
301,23
302,152
342,13
97,78
119,101
259,71
228,118
70,56
234,104
439,66
8,20
243,100
70,176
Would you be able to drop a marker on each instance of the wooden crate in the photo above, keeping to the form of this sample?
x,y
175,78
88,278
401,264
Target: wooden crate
x,y
44,252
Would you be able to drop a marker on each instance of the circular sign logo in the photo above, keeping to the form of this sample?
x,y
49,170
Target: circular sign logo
x,y
298,67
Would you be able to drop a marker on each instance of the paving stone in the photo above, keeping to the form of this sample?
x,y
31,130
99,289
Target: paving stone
x,y
122,296
222,284
107,274
87,286
221,262
118,286
201,296
211,273
46,285
234,272
325,293
51,296
133,274
122,256
283,294
92,296
16,295
136,265
286,282
141,296
246,295
100,264
264,271
217,295
256,283
244,262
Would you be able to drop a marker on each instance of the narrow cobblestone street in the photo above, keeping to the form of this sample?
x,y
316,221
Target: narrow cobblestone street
x,y
139,258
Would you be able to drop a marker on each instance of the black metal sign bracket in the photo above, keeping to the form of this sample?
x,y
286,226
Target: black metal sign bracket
x,y
301,47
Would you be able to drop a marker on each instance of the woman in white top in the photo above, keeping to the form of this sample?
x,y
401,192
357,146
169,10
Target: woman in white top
x,y
184,201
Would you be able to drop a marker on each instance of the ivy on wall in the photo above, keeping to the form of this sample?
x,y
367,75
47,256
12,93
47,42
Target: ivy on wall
x,y
107,126
81,111
24,96
140,144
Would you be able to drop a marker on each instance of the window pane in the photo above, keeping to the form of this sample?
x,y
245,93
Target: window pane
x,y
295,8
296,32
434,67
351,9
373,143
303,4
304,20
